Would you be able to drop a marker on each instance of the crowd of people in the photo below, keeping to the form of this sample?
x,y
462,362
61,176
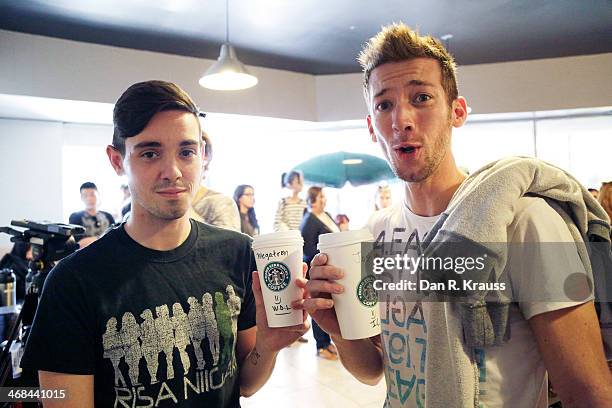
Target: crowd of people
x,y
164,307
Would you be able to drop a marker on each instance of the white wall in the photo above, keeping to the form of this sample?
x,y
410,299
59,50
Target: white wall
x,y
31,181
48,67
521,86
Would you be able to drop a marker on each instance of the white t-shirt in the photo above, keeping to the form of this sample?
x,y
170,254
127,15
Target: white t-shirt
x,y
418,338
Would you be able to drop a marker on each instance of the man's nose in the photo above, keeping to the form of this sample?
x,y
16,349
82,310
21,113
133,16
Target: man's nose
x,y
171,169
403,117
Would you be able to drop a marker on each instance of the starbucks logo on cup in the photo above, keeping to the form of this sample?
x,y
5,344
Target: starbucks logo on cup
x,y
276,276
366,292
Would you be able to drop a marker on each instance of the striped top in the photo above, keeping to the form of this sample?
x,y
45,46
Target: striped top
x,y
289,215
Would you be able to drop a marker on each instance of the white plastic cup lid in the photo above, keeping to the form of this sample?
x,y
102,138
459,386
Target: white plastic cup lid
x,y
278,238
337,239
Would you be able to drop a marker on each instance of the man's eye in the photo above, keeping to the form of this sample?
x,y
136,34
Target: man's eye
x,y
420,98
149,155
383,106
188,153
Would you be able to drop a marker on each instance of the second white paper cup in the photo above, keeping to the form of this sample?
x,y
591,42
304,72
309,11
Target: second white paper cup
x,y
357,307
279,263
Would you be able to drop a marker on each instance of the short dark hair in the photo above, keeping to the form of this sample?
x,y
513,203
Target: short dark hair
x,y
287,178
140,102
87,184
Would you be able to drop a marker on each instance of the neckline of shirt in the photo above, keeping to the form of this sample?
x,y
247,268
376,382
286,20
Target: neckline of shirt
x,y
135,249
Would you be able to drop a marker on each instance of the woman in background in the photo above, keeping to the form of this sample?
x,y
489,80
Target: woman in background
x,y
244,196
383,198
291,209
605,197
317,222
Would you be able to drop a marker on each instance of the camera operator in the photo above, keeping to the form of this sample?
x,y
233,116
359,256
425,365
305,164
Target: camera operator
x,y
95,222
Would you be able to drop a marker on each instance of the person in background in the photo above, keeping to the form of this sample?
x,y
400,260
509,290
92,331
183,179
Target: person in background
x,y
317,222
95,222
383,198
594,192
18,260
244,196
127,200
213,207
291,209
342,220
605,197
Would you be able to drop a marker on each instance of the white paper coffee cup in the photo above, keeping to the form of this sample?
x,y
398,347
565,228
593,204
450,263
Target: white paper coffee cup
x,y
279,263
357,307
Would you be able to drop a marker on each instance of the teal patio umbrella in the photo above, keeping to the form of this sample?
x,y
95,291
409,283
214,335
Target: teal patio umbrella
x,y
335,169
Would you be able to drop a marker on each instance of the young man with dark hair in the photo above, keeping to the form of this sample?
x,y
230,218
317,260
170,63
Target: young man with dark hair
x,y
452,354
162,310
95,222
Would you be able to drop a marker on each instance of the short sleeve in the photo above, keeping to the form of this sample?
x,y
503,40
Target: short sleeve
x,y
62,335
75,218
543,264
246,319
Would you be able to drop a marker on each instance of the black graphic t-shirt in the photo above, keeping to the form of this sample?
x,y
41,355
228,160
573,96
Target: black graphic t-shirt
x,y
155,328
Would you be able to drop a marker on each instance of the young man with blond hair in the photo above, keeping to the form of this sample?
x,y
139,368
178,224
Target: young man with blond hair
x,y
411,91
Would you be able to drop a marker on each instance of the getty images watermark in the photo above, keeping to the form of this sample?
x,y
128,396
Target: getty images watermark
x,y
514,272
435,264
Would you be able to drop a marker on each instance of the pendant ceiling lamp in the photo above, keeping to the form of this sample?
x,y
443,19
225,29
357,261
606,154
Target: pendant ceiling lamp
x,y
228,73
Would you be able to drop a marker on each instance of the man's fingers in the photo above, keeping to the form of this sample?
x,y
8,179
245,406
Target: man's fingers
x,y
304,269
319,259
312,305
323,286
326,272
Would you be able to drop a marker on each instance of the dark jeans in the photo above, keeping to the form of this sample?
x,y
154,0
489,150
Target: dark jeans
x,y
321,337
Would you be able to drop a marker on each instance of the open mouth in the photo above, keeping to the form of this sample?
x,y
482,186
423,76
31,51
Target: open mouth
x,y
407,149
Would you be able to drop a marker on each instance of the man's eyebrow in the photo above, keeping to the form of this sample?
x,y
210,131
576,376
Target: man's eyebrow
x,y
190,142
380,93
414,82
418,82
143,145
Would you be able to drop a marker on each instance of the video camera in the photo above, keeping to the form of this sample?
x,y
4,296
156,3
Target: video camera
x,y
50,242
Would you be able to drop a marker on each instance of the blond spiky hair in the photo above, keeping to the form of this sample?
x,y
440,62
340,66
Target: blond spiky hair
x,y
397,42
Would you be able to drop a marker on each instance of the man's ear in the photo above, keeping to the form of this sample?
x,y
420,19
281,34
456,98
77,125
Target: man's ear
x,y
116,159
460,112
371,129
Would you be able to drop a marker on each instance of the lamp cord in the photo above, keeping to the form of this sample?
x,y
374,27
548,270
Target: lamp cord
x,y
227,21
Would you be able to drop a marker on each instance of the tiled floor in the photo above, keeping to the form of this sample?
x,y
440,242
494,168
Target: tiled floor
x,y
301,379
